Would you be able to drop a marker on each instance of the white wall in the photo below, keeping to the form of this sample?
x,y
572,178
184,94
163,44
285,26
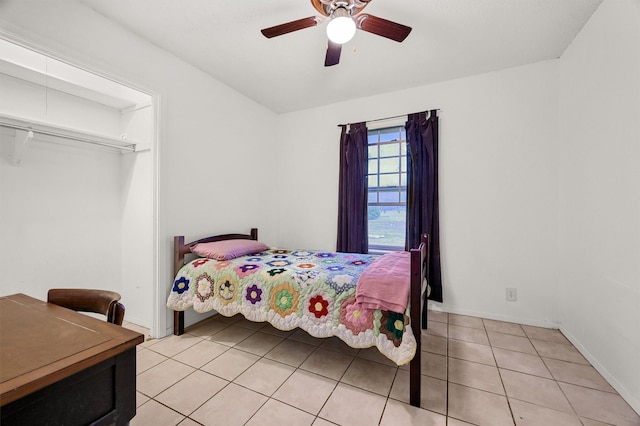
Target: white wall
x,y
600,194
498,185
215,161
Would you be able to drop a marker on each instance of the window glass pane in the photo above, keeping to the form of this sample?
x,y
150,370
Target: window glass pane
x,y
373,167
388,165
403,148
403,196
403,180
403,134
387,226
403,163
389,180
373,151
373,196
372,181
372,136
389,150
389,196
390,134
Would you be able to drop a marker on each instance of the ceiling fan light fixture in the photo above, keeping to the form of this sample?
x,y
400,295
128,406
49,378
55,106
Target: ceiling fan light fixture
x,y
342,27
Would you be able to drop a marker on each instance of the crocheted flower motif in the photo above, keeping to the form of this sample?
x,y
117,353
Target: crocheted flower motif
x,y
204,287
392,324
181,285
279,263
359,262
279,251
222,265
342,283
227,290
300,253
305,278
246,269
318,306
355,318
335,268
306,266
325,254
200,262
254,294
276,271
280,256
254,259
284,299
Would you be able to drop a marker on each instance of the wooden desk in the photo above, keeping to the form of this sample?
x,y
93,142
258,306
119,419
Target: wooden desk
x,y
58,366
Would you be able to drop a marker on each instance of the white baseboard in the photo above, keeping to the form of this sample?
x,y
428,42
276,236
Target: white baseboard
x,y
435,306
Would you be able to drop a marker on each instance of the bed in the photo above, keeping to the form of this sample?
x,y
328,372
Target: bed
x,y
307,289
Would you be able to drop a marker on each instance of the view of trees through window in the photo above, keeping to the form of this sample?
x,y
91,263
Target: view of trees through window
x,y
387,182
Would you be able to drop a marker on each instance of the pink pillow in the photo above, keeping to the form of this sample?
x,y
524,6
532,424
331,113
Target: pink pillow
x,y
228,249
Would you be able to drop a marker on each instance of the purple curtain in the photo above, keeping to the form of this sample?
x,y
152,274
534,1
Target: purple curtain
x,y
352,190
422,191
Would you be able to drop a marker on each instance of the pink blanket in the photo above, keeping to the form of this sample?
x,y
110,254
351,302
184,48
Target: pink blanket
x,y
386,283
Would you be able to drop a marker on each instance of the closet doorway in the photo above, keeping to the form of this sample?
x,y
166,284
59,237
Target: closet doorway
x,y
77,181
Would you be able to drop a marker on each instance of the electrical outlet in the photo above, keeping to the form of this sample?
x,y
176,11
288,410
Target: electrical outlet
x,y
512,294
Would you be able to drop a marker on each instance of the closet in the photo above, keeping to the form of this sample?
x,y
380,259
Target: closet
x,y
76,181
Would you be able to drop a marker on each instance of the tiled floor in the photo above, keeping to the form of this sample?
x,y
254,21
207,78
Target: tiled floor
x,y
229,371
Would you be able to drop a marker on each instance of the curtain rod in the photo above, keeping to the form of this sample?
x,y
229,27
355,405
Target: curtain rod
x,y
387,118
127,147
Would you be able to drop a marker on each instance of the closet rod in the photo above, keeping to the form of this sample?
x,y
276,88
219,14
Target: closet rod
x,y
75,138
386,118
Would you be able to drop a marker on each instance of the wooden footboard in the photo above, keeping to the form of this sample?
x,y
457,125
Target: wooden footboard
x,y
419,267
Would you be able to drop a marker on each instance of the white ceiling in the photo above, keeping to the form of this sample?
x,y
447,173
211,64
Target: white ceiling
x,y
450,39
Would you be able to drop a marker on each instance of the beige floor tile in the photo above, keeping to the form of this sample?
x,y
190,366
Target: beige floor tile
x,y
469,351
536,390
305,390
269,329
455,422
251,325
524,363
300,335
228,320
373,354
504,327
276,413
233,405
201,353
173,345
259,343
265,376
188,422
327,363
558,351
577,374
206,328
369,375
231,335
191,392
433,344
511,342
433,365
437,316
475,375
437,329
601,406
158,378
534,415
337,345
548,334
352,406
322,422
154,413
145,359
230,364
290,352
478,407
398,413
433,392
466,321
141,399
589,422
468,334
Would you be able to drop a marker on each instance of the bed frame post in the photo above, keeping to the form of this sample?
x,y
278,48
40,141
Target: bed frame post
x,y
178,261
417,315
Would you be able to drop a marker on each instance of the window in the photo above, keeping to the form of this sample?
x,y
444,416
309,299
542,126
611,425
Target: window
x,y
387,186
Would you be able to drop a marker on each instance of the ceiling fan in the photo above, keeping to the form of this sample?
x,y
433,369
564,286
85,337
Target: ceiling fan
x,y
344,17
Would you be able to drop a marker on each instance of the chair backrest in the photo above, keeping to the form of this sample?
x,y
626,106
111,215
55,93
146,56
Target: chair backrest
x,y
89,300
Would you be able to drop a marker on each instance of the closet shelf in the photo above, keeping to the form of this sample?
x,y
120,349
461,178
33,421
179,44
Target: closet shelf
x,y
26,130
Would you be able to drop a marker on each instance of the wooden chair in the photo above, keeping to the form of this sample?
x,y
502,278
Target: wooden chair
x,y
88,300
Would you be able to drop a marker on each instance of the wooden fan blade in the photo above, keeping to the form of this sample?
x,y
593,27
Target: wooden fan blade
x,y
290,27
333,54
382,27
